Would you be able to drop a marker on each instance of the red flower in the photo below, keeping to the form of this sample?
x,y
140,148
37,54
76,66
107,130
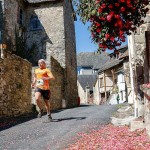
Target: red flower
x,y
112,13
128,1
112,38
122,1
103,6
119,22
101,45
97,24
129,5
121,32
107,36
102,18
98,30
110,6
122,9
100,10
117,4
117,16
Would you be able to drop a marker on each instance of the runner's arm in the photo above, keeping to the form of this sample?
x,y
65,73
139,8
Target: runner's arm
x,y
34,81
50,76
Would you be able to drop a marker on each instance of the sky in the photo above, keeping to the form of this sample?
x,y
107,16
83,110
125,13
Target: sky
x,y
83,40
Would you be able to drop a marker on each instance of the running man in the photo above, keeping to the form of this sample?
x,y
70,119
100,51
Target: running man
x,y
41,81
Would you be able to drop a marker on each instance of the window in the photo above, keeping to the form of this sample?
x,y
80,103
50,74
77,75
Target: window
x,y
35,23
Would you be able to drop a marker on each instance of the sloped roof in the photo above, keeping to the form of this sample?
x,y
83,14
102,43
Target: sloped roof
x,y
125,54
92,59
87,80
120,50
113,62
39,1
110,64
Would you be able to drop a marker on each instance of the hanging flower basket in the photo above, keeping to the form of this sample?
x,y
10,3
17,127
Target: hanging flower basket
x,y
112,20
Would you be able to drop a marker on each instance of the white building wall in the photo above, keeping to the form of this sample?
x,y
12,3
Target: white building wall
x,y
81,93
121,87
96,93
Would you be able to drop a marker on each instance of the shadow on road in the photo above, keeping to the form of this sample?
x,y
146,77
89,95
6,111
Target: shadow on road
x,y
6,123
70,118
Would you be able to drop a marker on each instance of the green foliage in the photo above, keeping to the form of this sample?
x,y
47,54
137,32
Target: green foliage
x,y
84,8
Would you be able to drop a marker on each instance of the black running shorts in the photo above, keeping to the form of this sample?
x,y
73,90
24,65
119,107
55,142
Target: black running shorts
x,y
44,93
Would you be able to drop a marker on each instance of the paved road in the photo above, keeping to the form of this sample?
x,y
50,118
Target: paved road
x,y
34,134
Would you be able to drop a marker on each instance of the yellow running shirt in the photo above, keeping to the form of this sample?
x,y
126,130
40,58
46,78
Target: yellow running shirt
x,y
40,83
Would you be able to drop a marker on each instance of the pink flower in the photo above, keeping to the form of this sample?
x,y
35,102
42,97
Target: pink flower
x,y
97,1
109,18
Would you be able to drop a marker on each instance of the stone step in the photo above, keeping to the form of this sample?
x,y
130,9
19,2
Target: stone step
x,y
122,121
137,123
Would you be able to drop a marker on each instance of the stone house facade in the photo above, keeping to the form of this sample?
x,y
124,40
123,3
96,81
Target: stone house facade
x,y
45,29
138,44
111,78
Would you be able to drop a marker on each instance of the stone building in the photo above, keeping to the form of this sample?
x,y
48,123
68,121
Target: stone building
x,y
139,58
37,29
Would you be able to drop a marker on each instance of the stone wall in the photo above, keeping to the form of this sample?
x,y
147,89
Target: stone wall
x,y
147,110
137,47
71,63
140,41
15,81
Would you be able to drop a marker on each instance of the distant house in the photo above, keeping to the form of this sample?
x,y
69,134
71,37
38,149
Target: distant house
x,y
85,85
111,79
88,63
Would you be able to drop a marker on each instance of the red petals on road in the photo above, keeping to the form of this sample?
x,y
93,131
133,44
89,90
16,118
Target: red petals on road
x,y
110,137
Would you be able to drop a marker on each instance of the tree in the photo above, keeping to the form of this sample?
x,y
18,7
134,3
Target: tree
x,y
111,20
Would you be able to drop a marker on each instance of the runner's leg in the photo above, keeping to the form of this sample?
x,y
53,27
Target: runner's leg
x,y
38,102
